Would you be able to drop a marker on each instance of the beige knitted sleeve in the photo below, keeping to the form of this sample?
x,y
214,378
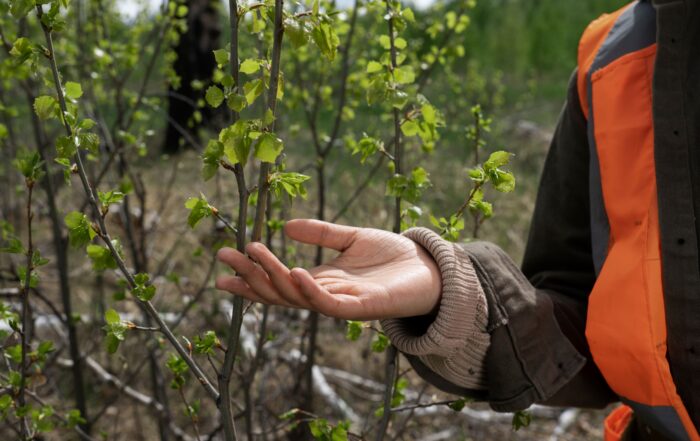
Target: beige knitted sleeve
x,y
454,345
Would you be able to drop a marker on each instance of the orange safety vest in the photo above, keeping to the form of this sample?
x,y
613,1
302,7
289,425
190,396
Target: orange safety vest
x,y
626,323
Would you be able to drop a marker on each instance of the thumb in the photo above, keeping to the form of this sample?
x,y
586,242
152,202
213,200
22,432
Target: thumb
x,y
325,234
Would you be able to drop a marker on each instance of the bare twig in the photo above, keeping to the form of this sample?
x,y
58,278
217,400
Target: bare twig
x,y
391,352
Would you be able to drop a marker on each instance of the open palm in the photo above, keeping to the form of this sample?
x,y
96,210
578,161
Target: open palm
x,y
377,275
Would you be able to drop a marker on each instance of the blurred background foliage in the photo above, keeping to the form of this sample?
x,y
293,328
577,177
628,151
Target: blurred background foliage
x,y
144,75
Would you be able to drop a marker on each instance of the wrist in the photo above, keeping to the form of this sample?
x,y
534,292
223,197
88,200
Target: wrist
x,y
457,305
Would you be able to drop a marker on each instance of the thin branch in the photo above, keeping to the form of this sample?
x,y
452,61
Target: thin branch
x,y
263,184
26,319
391,352
104,235
359,190
344,74
226,417
423,405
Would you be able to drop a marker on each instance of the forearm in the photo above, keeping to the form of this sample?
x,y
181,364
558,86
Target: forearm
x,y
520,346
536,316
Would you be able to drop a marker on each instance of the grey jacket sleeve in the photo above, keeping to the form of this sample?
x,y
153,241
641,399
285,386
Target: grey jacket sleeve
x,y
536,314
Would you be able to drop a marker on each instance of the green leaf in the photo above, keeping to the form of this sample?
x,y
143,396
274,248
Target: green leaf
x,y
457,405
205,345
73,90
269,117
210,159
354,330
101,257
250,66
14,353
20,8
199,209
65,147
10,244
288,415
429,114
88,141
236,102
29,164
74,418
41,419
5,402
22,50
521,419
253,89
374,66
112,317
15,379
227,81
38,260
86,124
400,43
236,141
326,39
339,433
497,159
268,147
143,290
451,19
410,128
398,98
79,230
110,197
505,182
419,176
112,343
222,57
319,428
179,369
214,96
258,24
409,187
502,180
404,75
477,174
296,32
181,11
380,342
115,330
45,106
367,147
290,183
385,41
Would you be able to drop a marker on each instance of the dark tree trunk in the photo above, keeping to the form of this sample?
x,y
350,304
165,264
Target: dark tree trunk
x,y
195,61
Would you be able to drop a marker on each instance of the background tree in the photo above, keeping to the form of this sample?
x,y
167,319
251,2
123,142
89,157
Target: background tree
x,y
339,111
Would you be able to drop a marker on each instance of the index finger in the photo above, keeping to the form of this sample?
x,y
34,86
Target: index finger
x,y
325,234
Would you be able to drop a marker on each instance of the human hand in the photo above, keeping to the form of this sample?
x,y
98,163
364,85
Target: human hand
x,y
377,275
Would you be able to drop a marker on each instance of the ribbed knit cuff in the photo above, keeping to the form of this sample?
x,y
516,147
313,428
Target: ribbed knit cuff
x,y
455,343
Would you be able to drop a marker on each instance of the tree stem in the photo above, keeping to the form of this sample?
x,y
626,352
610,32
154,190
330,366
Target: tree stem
x,y
391,352
26,314
103,233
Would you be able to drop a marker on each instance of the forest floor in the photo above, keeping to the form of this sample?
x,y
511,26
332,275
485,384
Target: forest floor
x,y
349,378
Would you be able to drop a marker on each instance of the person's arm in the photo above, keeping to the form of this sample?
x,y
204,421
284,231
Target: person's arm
x,y
530,345
536,316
